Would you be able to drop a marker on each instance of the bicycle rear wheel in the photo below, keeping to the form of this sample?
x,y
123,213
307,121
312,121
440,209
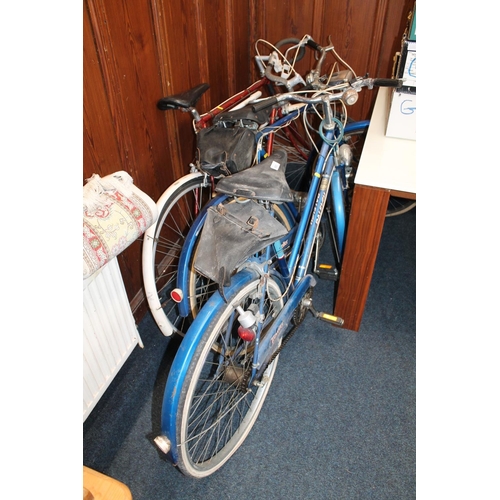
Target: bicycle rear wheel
x,y
217,409
177,209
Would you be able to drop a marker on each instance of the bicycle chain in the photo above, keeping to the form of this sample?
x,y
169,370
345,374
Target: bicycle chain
x,y
246,377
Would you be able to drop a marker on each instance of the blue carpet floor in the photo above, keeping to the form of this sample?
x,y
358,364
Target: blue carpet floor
x,y
339,421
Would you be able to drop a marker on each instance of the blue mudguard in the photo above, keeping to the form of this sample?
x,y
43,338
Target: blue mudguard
x,y
187,252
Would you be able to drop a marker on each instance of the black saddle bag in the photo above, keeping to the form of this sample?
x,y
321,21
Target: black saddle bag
x,y
225,151
229,145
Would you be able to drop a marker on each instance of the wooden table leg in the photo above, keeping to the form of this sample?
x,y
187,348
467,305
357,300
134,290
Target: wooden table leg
x,y
366,222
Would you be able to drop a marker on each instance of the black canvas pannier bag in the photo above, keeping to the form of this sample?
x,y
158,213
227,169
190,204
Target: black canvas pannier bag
x,y
232,233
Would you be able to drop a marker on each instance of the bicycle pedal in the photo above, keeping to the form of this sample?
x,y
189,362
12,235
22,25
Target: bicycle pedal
x,y
327,272
330,318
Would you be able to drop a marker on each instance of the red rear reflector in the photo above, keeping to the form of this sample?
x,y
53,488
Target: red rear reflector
x,y
246,334
176,295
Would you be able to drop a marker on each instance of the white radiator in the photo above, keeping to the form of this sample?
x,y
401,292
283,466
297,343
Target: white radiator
x,y
109,332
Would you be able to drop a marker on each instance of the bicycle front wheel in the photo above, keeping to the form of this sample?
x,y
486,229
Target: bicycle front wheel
x,y
163,242
217,408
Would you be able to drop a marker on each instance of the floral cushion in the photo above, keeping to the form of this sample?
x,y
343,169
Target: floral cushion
x,y
115,214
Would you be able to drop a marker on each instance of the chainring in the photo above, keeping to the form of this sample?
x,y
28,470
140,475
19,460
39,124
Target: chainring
x,y
300,312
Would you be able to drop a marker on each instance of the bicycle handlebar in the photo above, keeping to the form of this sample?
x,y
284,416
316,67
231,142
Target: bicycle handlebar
x,y
311,43
348,94
315,73
264,104
387,82
275,64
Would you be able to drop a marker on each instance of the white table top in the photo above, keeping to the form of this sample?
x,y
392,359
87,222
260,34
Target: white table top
x,y
386,162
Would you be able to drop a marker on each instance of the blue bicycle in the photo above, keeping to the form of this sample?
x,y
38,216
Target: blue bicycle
x,y
254,243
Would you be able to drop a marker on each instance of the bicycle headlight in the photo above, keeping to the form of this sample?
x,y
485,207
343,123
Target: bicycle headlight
x,y
345,154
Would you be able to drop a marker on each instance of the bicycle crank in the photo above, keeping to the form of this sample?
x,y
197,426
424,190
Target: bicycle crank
x,y
306,304
329,318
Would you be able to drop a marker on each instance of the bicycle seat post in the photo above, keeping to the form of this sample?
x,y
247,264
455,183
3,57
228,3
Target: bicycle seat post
x,y
193,112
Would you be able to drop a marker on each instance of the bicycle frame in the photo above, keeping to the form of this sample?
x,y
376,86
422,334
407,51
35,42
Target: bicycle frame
x,y
230,103
292,292
307,227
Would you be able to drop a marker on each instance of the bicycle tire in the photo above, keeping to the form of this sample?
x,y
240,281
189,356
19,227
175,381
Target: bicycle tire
x,y
210,394
398,206
162,245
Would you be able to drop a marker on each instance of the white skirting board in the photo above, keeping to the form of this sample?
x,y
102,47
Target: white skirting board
x,y
109,332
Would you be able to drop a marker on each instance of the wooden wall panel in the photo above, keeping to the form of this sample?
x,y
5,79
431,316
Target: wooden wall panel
x,y
177,44
365,33
100,150
194,54
136,52
121,82
221,72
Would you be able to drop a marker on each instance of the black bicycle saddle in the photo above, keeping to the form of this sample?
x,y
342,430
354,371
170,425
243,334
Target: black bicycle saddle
x,y
184,100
